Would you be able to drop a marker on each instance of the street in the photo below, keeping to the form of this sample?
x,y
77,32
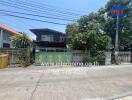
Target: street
x,y
68,83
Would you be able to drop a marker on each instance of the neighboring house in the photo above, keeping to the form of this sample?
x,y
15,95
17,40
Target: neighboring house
x,y
49,38
5,34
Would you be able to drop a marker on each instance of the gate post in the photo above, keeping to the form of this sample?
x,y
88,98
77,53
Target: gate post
x,y
131,53
36,56
54,56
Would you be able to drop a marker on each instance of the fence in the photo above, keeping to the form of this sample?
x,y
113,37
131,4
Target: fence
x,y
17,56
43,56
124,57
50,56
78,56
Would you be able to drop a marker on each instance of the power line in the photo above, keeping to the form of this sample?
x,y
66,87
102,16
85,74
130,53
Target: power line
x,y
34,19
36,15
29,8
10,23
23,8
23,22
19,28
2,15
43,6
52,7
61,9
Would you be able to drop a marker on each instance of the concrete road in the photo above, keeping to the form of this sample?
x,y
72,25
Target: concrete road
x,y
69,83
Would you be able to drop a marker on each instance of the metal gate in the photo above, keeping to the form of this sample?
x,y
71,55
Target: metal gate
x,y
124,57
52,56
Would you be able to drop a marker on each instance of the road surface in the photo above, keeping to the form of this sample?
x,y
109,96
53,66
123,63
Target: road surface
x,y
68,83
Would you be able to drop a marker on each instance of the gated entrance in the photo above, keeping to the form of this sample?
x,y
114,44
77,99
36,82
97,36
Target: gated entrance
x,y
52,56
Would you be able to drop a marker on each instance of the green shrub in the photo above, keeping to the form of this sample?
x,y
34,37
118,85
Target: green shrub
x,y
98,56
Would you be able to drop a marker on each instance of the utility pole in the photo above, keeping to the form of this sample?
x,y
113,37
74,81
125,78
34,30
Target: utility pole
x,y
117,34
117,11
117,39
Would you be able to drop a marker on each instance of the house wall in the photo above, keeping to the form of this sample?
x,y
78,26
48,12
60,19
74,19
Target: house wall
x,y
5,40
1,38
51,38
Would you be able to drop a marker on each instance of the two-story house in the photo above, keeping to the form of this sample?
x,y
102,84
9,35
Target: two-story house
x,y
5,34
49,38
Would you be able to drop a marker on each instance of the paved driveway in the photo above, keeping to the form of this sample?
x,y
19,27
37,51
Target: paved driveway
x,y
40,83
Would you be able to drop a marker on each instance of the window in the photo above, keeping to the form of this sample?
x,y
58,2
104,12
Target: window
x,y
48,38
4,35
62,39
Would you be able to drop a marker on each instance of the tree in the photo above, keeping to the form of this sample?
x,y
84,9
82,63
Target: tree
x,y
102,42
89,33
71,30
125,23
90,36
21,41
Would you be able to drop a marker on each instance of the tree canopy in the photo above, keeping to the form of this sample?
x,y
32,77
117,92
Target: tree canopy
x,y
21,41
93,31
88,33
125,23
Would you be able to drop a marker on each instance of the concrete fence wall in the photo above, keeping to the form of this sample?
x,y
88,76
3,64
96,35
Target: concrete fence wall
x,y
16,54
4,60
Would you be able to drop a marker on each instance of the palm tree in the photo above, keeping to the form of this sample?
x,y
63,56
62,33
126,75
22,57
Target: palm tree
x,y
21,41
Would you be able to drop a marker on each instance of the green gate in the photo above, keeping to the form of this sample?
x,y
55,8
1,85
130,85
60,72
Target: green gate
x,y
52,56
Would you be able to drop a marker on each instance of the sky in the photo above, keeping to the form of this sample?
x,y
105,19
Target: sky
x,y
62,9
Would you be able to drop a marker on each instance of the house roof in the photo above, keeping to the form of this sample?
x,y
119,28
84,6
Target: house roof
x,y
9,29
43,30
